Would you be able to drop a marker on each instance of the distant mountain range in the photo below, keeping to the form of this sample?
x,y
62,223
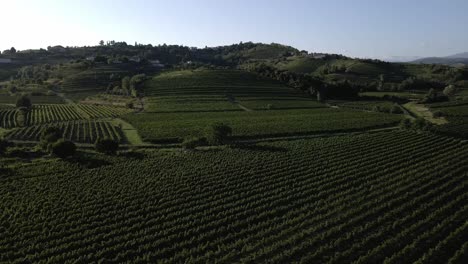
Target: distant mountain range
x,y
460,60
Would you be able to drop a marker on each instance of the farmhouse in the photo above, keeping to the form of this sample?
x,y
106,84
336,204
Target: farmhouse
x,y
156,63
5,60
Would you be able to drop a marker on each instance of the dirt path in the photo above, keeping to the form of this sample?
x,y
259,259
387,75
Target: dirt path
x,y
420,110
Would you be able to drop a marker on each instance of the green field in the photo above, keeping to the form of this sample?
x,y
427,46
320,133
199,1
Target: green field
x,y
218,90
395,196
76,131
224,155
174,126
43,114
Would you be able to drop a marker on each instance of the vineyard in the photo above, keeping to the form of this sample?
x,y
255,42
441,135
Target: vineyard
x,y
219,90
46,114
76,131
176,126
379,106
393,197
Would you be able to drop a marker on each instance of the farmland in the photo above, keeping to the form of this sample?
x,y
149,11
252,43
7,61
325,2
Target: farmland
x,y
208,90
44,114
175,126
368,198
255,153
83,131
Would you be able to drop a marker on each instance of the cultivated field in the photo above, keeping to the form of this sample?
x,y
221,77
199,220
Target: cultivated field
x,y
398,197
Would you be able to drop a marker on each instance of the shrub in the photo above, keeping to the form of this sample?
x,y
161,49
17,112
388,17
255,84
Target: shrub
x,y
106,146
3,146
49,136
24,101
63,148
406,123
437,114
218,133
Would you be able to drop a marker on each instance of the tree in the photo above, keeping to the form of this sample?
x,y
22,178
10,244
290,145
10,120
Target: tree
x,y
12,50
101,43
126,85
406,123
49,136
63,148
450,90
24,101
3,146
218,133
106,146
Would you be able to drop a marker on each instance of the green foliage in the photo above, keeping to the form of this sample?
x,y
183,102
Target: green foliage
x,y
63,149
173,126
450,90
24,101
419,124
396,109
217,133
433,96
81,131
272,196
49,136
4,144
106,146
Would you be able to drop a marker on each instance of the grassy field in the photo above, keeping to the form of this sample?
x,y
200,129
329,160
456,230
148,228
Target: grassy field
x,y
339,200
175,126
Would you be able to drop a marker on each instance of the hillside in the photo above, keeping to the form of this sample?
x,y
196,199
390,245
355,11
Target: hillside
x,y
249,153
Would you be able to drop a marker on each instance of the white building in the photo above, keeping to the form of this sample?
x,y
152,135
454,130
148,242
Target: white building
x,y
135,59
156,63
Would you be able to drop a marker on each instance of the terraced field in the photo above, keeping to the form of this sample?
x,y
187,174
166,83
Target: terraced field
x,y
393,197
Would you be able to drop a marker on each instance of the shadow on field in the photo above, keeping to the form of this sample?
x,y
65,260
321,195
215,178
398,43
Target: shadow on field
x,y
132,155
88,161
262,148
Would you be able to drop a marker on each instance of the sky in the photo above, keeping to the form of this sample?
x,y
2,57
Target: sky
x,y
356,28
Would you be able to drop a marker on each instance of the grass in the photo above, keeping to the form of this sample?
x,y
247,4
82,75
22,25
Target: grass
x,y
423,112
130,133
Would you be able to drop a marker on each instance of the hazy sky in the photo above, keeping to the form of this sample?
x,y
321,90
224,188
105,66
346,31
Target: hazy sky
x,y
363,28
